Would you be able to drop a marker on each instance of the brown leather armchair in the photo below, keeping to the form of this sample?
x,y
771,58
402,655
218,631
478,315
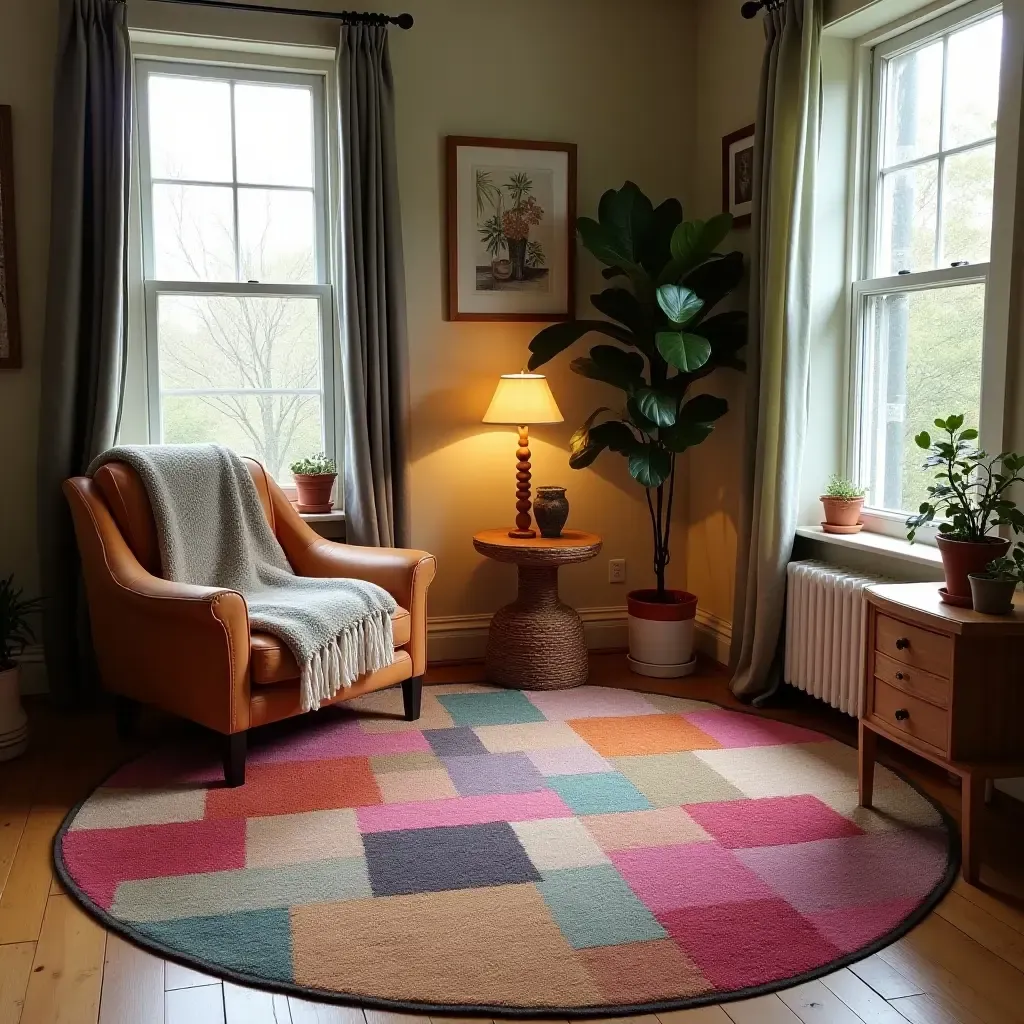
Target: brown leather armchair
x,y
188,649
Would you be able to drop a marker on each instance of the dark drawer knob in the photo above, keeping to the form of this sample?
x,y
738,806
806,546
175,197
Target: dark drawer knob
x,y
900,675
902,644
902,715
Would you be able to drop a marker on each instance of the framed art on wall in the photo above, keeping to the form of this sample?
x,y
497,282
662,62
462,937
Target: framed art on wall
x,y
738,175
511,229
10,327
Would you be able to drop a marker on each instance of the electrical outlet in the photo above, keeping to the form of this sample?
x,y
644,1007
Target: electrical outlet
x,y
617,570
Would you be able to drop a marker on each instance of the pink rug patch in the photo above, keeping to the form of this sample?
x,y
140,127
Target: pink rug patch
x,y
465,810
561,705
177,766
340,739
733,730
772,821
854,927
100,859
579,760
669,877
737,944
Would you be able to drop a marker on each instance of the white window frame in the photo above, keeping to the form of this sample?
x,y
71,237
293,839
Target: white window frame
x,y
867,170
205,65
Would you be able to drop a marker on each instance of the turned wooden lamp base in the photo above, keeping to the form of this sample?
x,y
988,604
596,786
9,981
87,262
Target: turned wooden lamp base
x,y
523,530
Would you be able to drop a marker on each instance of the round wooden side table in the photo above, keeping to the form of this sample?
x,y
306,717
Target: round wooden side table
x,y
537,641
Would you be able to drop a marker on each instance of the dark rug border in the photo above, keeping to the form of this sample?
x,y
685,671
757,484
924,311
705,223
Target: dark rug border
x,y
143,941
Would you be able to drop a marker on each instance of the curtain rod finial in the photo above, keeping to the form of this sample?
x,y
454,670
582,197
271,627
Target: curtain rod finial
x,y
750,9
404,21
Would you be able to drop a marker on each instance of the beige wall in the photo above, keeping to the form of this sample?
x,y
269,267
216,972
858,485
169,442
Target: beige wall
x,y
609,76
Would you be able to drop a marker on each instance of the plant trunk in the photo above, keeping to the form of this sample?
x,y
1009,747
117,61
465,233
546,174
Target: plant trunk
x,y
517,256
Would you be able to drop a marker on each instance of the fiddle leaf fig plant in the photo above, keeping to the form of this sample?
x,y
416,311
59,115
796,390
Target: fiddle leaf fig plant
x,y
665,341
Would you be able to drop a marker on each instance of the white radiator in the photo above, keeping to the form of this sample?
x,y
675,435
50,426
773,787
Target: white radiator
x,y
826,616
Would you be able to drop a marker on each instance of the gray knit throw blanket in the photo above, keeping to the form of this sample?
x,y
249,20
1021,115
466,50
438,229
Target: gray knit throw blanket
x,y
212,531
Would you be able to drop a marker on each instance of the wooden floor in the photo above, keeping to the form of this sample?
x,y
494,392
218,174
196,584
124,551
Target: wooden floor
x,y
964,963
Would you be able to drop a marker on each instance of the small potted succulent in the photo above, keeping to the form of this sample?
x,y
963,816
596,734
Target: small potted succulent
x,y
971,494
842,502
992,590
15,634
314,482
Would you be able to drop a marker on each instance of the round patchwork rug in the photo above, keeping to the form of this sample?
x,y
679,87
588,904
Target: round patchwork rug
x,y
579,852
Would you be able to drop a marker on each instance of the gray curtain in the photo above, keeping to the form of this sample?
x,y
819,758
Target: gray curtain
x,y
785,153
372,315
84,346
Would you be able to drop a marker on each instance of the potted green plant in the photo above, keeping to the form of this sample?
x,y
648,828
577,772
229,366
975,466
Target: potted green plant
x,y
314,482
992,590
971,495
16,633
666,341
842,502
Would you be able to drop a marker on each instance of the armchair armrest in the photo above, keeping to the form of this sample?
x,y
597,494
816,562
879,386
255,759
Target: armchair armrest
x,y
181,647
405,573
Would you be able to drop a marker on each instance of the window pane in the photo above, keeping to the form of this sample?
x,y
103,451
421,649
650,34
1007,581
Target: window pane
x,y
908,219
923,362
275,429
912,105
967,205
276,234
972,83
234,341
193,233
189,128
274,134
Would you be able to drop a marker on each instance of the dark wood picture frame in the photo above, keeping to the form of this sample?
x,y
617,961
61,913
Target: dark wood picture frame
x,y
8,247
452,145
728,141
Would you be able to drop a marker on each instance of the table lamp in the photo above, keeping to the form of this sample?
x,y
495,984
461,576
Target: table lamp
x,y
522,399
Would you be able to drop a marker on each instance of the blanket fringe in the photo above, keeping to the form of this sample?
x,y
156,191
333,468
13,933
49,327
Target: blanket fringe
x,y
365,647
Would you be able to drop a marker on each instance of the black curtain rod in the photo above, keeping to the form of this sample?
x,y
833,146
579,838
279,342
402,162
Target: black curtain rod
x,y
752,8
348,17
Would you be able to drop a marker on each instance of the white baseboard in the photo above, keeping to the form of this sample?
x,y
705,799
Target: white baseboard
x,y
714,636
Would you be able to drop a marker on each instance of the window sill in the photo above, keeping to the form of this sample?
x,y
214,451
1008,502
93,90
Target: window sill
x,y
337,516
875,543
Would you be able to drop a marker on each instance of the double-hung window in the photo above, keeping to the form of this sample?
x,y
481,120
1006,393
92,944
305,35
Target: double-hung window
x,y
919,302
238,309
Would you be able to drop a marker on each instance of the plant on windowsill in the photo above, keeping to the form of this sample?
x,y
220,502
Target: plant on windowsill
x,y
667,342
992,590
842,502
971,495
314,482
16,633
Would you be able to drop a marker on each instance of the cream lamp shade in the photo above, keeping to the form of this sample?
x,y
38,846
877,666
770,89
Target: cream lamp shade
x,y
522,399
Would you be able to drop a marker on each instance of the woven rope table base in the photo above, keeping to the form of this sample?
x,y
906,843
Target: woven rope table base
x,y
537,641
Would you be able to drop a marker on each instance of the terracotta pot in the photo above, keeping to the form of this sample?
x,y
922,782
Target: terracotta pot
x,y
960,558
13,723
661,632
842,511
992,597
314,491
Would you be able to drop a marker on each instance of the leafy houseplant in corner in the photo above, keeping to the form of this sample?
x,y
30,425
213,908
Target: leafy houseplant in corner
x,y
314,481
992,590
666,342
842,502
971,496
15,634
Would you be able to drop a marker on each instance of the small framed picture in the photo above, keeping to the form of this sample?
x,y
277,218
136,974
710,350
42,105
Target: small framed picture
x,y
738,175
511,229
10,329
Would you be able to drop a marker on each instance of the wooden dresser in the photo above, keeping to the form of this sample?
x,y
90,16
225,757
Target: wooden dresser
x,y
948,684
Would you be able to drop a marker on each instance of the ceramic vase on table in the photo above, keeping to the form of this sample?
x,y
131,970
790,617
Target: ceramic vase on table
x,y
550,510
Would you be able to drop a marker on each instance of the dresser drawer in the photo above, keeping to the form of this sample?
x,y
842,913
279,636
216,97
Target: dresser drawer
x,y
913,680
908,714
913,646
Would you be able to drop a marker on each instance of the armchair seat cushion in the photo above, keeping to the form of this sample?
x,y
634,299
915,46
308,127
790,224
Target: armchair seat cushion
x,y
271,660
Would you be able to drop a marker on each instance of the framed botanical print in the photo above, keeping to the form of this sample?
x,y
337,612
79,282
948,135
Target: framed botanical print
x,y
10,328
511,229
738,175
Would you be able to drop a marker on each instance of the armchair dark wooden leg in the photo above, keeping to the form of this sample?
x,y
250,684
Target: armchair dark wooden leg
x,y
234,759
126,716
412,692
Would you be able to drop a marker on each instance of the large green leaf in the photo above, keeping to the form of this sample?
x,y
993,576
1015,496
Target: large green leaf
x,y
713,280
589,441
703,409
621,305
682,435
657,406
639,420
604,243
629,215
650,464
558,337
686,352
679,304
613,366
695,240
614,435
656,250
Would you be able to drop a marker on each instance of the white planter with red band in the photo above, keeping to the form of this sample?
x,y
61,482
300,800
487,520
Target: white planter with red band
x,y
661,633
